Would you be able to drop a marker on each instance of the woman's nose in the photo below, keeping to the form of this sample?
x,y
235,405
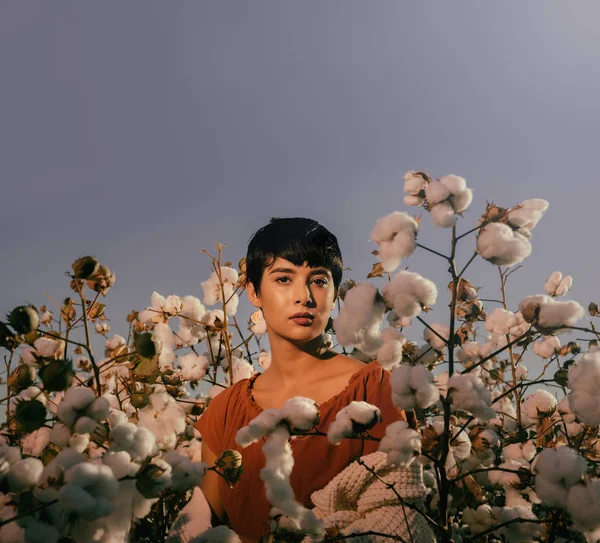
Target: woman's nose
x,y
304,296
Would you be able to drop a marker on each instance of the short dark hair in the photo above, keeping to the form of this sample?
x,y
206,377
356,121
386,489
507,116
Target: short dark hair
x,y
298,240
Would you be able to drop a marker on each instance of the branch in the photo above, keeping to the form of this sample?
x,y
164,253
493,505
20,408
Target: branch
x,y
432,251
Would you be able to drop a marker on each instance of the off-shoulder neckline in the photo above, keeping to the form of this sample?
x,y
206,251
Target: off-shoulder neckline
x,y
322,406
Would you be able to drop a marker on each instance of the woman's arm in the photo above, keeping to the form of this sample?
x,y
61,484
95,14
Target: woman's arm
x,y
210,486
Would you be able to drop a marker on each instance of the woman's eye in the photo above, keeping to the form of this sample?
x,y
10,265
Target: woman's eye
x,y
282,279
321,282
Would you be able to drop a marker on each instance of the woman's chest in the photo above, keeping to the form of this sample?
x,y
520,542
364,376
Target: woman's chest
x,y
268,395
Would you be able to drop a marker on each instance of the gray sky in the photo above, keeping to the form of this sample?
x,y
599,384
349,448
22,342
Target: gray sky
x,y
143,131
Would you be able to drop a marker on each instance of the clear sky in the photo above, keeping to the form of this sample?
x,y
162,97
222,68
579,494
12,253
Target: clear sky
x,y
143,131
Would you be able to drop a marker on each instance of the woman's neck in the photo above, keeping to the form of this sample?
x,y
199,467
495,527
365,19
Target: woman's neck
x,y
292,363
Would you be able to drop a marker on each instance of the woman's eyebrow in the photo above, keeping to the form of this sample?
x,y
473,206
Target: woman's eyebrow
x,y
317,271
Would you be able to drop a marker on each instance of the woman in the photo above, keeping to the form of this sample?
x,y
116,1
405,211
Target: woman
x,y
294,269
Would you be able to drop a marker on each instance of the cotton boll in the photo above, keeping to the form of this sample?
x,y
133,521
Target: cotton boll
x,y
413,183
389,354
584,382
241,369
461,200
443,215
467,392
583,504
258,323
454,183
395,234
260,426
413,201
498,244
362,311
401,443
37,531
506,478
548,314
220,534
186,473
165,418
521,453
546,347
24,474
85,425
557,471
34,443
436,192
433,339
79,442
192,309
193,367
45,347
478,520
413,386
355,418
301,413
539,405
408,293
527,213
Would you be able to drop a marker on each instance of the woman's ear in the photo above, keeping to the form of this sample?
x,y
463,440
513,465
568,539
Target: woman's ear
x,y
252,295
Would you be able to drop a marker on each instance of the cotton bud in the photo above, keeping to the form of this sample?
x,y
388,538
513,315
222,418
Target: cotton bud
x,y
147,345
30,415
301,414
24,319
401,443
395,234
408,294
57,375
153,478
230,465
84,267
139,399
7,338
557,470
21,378
413,386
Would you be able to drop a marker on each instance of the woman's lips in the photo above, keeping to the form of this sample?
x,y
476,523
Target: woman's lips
x,y
303,321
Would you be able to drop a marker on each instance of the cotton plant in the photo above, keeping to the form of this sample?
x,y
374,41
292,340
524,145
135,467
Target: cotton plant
x,y
506,451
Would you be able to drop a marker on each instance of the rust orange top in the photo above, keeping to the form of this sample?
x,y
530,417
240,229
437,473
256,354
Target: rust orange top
x,y
316,461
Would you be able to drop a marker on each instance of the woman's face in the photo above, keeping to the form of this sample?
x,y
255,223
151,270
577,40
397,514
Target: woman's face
x,y
286,292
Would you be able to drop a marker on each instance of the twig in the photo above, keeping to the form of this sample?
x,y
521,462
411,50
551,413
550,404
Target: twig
x,y
432,251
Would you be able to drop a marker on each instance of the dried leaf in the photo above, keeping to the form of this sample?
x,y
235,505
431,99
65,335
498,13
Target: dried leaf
x,y
377,270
